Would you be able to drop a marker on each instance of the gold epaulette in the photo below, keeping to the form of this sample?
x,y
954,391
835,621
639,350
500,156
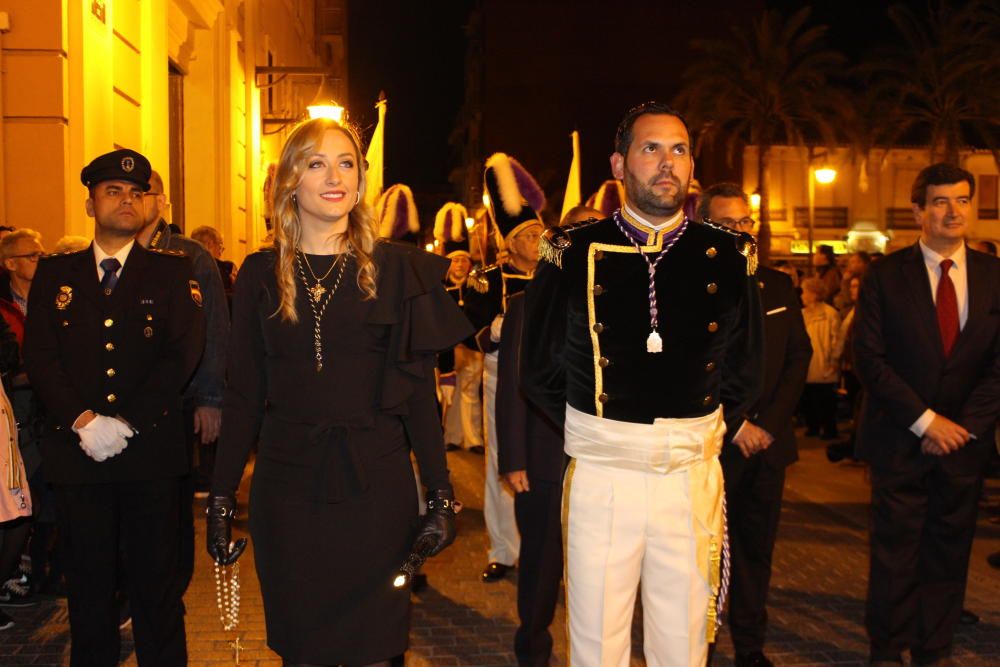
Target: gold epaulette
x,y
555,240
478,280
746,244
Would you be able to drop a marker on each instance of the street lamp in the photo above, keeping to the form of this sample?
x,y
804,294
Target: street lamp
x,y
824,175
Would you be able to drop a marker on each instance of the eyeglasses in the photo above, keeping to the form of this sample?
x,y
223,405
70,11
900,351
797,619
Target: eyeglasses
x,y
31,256
742,223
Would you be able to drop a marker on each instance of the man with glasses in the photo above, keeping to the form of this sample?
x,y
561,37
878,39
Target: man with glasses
x,y
19,251
755,454
113,336
203,398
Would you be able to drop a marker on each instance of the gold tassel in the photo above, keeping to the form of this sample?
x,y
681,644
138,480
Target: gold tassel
x,y
548,252
715,582
747,245
478,281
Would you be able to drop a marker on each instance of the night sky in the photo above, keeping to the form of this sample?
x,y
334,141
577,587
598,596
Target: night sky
x,y
551,66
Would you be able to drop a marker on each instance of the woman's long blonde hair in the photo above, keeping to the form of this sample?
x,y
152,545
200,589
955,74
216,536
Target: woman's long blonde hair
x,y
362,232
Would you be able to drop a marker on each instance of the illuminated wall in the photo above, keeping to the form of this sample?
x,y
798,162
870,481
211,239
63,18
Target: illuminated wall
x,y
83,77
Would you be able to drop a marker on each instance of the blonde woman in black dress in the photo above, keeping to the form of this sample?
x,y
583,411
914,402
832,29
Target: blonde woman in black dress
x,y
331,370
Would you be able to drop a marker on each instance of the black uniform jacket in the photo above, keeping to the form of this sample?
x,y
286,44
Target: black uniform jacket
x,y
587,320
900,360
482,306
787,352
526,438
128,354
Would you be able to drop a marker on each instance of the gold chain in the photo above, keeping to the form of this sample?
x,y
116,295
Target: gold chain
x,y
318,308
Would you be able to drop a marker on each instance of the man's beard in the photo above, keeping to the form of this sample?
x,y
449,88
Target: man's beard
x,y
641,196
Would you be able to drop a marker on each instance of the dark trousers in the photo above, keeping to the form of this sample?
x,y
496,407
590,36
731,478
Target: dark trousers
x,y
142,517
921,537
819,404
753,503
540,570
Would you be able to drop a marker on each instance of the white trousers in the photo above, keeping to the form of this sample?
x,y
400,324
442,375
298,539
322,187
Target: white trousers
x,y
623,526
498,500
469,413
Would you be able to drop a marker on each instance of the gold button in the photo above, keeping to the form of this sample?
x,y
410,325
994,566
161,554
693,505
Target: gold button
x,y
109,322
149,317
110,372
709,367
599,254
603,398
711,288
711,252
112,398
713,327
598,328
107,292
65,323
707,400
598,290
110,347
603,362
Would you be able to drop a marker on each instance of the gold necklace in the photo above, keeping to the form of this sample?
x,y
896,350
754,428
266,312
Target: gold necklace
x,y
318,312
317,290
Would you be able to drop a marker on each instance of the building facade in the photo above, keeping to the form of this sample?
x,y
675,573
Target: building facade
x,y
867,205
185,82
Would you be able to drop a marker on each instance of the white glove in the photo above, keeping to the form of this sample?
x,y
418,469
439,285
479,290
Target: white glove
x,y
103,437
495,328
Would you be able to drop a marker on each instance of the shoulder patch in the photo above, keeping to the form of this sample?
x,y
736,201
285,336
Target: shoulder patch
x,y
746,244
555,240
164,251
67,253
195,292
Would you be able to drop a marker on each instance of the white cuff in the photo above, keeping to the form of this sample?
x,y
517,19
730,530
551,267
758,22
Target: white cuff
x,y
919,427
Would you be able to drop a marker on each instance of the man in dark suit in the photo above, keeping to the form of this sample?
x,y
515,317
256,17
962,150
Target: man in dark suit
x,y
113,335
927,350
532,461
755,456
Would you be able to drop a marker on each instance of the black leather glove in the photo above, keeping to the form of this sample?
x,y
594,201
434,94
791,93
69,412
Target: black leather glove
x,y
438,529
220,513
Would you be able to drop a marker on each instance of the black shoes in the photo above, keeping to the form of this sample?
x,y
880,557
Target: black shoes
x,y
15,593
451,447
994,560
495,572
752,659
477,449
6,622
968,618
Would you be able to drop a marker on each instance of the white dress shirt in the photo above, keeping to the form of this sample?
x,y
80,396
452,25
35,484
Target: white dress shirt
x,y
121,256
960,279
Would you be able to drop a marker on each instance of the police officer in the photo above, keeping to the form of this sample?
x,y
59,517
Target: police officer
x,y
114,333
513,200
642,336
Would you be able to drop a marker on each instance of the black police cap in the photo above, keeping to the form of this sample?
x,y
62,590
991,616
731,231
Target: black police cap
x,y
120,165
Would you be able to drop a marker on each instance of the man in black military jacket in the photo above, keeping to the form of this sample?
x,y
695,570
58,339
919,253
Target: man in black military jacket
x,y
639,374
755,455
513,200
113,335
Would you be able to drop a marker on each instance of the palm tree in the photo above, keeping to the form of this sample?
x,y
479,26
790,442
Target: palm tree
x,y
772,84
938,85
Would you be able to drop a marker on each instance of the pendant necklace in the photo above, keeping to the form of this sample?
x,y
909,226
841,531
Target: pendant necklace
x,y
321,298
654,343
317,290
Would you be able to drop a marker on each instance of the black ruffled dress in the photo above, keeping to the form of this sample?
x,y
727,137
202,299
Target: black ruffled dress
x,y
333,504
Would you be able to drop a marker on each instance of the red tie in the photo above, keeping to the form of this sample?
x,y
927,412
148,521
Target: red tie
x,y
947,308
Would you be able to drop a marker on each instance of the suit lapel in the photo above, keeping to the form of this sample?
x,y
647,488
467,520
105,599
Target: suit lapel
x,y
131,276
979,303
85,280
918,286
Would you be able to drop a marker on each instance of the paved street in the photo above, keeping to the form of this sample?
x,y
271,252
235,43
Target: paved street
x,y
816,602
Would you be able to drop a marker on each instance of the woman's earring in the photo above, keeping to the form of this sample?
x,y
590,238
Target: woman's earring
x,y
295,200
